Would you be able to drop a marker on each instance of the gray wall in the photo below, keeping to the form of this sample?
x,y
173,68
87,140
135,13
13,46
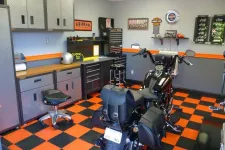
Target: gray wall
x,y
205,75
34,43
188,10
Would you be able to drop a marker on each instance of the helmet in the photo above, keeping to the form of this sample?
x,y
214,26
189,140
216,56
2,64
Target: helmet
x,y
67,58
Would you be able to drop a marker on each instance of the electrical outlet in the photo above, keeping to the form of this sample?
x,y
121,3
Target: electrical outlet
x,y
132,72
47,40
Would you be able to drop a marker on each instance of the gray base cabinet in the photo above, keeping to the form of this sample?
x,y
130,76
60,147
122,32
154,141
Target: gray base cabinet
x,y
32,105
69,82
31,96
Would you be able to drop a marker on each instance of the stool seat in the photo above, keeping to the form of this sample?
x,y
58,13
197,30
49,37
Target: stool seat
x,y
54,97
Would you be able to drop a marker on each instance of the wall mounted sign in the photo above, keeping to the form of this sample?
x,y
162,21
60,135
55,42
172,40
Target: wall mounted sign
x,y
218,30
82,25
172,16
201,29
156,24
138,23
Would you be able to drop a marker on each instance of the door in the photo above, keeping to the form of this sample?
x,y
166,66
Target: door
x,y
8,93
65,87
76,88
67,14
35,9
32,104
18,13
54,14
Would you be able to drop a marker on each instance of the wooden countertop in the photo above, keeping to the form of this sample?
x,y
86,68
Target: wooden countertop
x,y
45,69
57,67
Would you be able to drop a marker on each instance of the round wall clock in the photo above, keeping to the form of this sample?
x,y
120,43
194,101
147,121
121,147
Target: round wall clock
x,y
172,16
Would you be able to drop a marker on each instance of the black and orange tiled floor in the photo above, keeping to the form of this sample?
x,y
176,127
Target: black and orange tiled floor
x,y
81,135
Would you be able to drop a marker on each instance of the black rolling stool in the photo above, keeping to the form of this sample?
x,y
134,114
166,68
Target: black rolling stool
x,y
54,98
117,75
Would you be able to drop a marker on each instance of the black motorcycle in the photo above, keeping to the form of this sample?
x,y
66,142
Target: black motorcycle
x,y
132,119
158,82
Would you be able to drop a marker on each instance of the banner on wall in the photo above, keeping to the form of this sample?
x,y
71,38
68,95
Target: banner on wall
x,y
82,25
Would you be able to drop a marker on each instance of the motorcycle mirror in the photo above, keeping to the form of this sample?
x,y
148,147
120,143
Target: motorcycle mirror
x,y
190,53
224,54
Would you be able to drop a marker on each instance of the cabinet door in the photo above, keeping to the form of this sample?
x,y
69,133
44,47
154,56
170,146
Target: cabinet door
x,y
18,12
32,104
67,14
8,95
54,14
65,88
35,9
76,88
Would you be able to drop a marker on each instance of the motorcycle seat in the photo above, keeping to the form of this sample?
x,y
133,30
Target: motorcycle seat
x,y
138,98
145,94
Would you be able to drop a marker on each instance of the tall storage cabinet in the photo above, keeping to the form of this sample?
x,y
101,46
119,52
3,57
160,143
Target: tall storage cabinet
x,y
9,111
60,14
27,14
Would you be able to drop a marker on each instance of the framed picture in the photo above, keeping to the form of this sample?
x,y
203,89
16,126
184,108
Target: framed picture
x,y
138,23
82,25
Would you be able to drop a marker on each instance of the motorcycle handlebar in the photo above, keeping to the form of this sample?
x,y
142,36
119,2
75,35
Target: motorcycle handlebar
x,y
187,62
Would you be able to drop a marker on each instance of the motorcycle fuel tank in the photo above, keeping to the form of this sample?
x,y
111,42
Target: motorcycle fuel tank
x,y
157,83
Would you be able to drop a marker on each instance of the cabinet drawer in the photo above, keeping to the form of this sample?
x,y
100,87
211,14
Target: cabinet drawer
x,y
32,104
36,82
68,74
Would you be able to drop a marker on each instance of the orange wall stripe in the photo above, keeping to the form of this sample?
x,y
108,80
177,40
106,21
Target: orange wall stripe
x,y
43,57
198,55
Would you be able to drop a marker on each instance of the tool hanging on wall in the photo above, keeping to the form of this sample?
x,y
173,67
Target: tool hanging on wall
x,y
156,24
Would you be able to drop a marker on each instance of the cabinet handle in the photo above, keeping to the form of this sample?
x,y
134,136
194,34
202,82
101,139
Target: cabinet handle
x,y
31,19
72,85
64,22
35,97
58,22
37,80
23,19
66,87
69,72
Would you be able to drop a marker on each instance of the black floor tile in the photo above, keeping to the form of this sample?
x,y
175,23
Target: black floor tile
x,y
68,106
166,146
179,98
99,96
91,136
182,90
190,105
86,104
95,148
5,142
89,96
195,95
186,143
30,142
219,100
182,115
206,103
101,103
70,113
36,127
87,123
194,125
87,112
202,113
64,125
62,140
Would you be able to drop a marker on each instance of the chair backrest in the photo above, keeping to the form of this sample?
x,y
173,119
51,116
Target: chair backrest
x,y
118,103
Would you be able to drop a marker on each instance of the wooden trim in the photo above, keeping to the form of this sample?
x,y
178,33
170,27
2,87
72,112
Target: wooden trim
x,y
198,55
43,57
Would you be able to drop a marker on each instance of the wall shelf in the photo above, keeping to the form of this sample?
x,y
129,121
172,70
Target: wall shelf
x,y
177,39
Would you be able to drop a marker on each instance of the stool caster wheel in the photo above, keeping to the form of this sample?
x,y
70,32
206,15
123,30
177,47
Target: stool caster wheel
x,y
56,127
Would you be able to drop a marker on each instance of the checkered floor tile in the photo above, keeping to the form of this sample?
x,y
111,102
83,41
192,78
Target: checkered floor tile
x,y
82,135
